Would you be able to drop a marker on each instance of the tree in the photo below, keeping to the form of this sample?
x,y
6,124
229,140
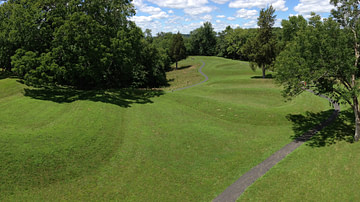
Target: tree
x,y
221,44
203,40
177,49
162,42
325,56
347,14
235,40
86,44
292,26
261,50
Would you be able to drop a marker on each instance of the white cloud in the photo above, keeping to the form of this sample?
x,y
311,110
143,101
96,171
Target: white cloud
x,y
231,18
151,10
154,26
175,19
139,4
199,10
171,11
246,14
220,26
207,18
191,27
220,1
250,24
142,19
278,22
191,7
221,16
277,4
305,7
179,4
218,21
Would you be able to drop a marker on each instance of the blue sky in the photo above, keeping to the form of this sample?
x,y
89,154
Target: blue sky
x,y
187,15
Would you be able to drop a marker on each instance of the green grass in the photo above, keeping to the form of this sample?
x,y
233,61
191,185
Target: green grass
x,y
324,169
186,74
61,144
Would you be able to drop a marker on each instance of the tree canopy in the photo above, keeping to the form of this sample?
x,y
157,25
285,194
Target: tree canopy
x,y
87,44
325,55
203,40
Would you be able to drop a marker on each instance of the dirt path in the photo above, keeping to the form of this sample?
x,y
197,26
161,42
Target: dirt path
x,y
233,192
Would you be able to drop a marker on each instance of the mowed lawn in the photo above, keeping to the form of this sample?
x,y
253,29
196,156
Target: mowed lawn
x,y
63,144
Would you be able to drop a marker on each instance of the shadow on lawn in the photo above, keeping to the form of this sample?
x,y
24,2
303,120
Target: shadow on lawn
x,y
122,97
267,76
5,74
180,68
342,129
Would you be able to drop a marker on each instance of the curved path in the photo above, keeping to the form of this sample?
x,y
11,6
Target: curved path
x,y
202,73
233,192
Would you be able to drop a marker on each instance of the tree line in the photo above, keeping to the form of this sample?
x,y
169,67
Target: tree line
x,y
93,44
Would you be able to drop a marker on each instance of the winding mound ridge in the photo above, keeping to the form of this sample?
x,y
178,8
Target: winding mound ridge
x,y
142,146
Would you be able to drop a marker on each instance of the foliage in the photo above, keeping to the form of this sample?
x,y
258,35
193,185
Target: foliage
x,y
221,44
162,42
236,39
292,26
261,49
322,55
203,40
230,43
177,48
87,44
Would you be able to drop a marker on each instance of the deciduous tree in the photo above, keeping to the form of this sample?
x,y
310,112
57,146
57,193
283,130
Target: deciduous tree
x,y
325,55
86,44
203,40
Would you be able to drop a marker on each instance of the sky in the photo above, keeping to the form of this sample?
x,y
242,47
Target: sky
x,y
186,15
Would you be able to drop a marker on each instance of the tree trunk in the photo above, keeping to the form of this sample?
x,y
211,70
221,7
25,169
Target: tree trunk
x,y
357,129
263,71
353,85
357,119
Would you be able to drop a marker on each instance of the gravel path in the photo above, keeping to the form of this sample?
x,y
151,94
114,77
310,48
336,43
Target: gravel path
x,y
233,192
202,73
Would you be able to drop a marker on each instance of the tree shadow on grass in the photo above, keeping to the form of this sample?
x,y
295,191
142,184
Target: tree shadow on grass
x,y
267,76
122,97
341,129
180,68
5,74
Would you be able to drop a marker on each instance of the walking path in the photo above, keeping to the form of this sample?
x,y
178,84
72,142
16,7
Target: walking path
x,y
233,192
202,73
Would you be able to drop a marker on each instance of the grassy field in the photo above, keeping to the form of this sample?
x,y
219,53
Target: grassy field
x,y
63,144
185,75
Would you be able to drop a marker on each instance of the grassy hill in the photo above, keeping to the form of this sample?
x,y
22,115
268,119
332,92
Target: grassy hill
x,y
65,144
